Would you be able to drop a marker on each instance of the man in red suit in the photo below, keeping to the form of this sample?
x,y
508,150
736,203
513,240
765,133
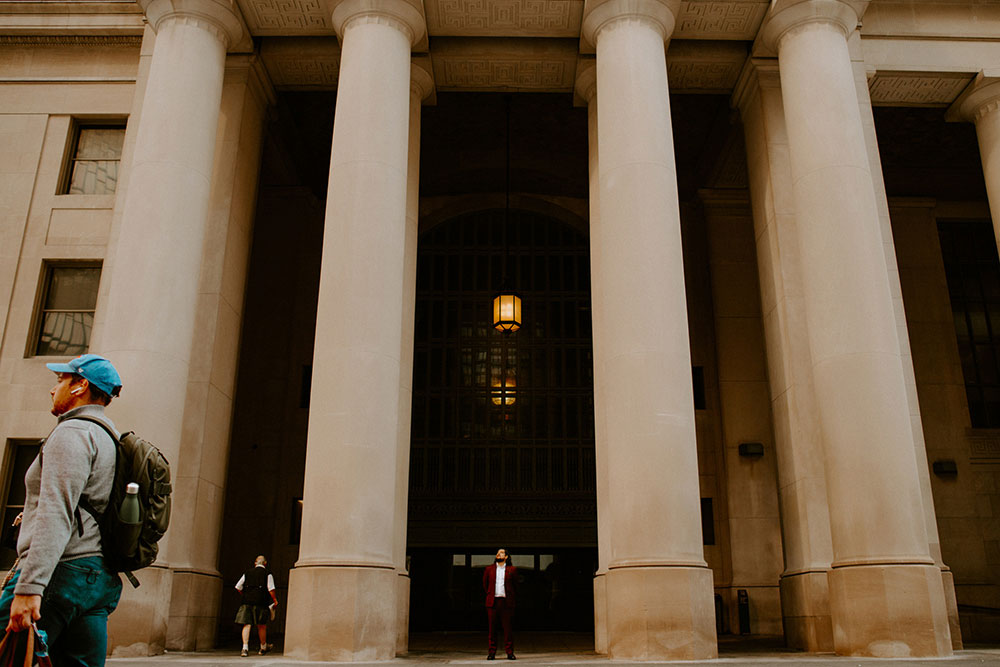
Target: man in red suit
x,y
500,584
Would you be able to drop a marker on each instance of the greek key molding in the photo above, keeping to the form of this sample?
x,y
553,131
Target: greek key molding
x,y
984,445
917,89
485,72
130,41
720,20
706,76
304,72
287,17
539,18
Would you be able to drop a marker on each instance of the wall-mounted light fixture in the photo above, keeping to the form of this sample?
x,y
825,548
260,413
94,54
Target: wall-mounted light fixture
x,y
751,449
945,468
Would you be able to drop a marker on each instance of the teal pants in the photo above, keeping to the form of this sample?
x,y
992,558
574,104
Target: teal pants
x,y
75,608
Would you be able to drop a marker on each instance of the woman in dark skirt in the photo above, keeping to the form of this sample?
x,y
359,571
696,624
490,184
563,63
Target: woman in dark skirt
x,y
256,586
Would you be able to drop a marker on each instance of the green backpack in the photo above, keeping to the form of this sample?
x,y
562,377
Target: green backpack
x,y
132,546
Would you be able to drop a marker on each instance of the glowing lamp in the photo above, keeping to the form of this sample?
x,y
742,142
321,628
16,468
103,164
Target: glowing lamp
x,y
507,312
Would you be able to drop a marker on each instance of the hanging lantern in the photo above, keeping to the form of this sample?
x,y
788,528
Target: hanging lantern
x,y
507,311
504,395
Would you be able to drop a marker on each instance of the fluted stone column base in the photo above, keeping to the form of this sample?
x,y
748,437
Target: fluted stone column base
x,y
661,613
194,606
138,627
402,612
601,614
344,614
889,611
805,609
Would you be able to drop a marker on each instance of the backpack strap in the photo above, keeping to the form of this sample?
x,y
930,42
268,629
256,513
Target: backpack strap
x,y
84,502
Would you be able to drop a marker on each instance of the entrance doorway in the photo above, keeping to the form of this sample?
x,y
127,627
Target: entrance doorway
x,y
555,590
502,451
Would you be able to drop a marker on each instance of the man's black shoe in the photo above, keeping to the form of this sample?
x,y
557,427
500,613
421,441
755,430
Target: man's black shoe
x,y
511,656
491,656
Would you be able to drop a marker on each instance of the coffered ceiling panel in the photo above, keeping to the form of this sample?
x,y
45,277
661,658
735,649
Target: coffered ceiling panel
x,y
705,19
924,89
541,65
287,17
504,18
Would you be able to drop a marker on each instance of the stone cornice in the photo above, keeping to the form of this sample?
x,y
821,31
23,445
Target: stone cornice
x,y
980,98
221,17
790,14
128,41
599,14
757,73
407,16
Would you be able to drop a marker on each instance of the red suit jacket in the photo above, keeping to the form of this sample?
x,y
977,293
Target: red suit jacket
x,y
509,584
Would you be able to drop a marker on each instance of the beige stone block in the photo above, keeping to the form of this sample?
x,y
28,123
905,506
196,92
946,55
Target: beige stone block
x,y
138,626
202,552
193,607
188,463
663,613
889,611
345,614
740,346
735,290
225,354
805,603
757,541
745,413
402,613
601,614
215,447
105,98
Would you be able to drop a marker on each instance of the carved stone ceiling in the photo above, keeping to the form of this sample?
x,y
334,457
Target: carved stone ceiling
x,y
698,19
505,64
917,88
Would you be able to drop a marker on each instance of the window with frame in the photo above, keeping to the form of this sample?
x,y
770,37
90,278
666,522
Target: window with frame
x,y
20,454
66,314
972,269
94,160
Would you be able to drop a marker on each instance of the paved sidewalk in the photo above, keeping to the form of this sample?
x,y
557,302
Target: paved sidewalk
x,y
564,650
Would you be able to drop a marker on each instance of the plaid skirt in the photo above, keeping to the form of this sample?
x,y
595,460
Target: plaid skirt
x,y
253,614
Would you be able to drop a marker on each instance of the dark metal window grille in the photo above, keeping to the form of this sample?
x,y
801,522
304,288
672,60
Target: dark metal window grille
x,y
67,314
972,269
502,414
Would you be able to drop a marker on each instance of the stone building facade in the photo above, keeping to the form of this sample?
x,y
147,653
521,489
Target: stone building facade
x,y
756,388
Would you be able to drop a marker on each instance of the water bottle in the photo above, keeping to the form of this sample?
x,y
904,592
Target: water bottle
x,y
129,511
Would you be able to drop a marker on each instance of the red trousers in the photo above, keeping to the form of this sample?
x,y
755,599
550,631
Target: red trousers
x,y
500,611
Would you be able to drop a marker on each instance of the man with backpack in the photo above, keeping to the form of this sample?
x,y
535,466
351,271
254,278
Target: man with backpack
x,y
256,587
62,581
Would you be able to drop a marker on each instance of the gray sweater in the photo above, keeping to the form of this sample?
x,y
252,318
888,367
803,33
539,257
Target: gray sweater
x,y
77,459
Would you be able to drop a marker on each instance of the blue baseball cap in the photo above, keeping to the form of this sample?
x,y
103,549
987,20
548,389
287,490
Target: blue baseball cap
x,y
95,369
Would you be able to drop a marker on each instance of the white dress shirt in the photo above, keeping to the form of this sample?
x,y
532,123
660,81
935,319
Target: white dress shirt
x,y
500,591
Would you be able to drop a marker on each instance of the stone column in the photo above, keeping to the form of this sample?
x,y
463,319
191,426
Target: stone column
x,y
586,92
902,334
153,299
421,86
659,589
886,597
200,472
806,542
343,590
980,103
